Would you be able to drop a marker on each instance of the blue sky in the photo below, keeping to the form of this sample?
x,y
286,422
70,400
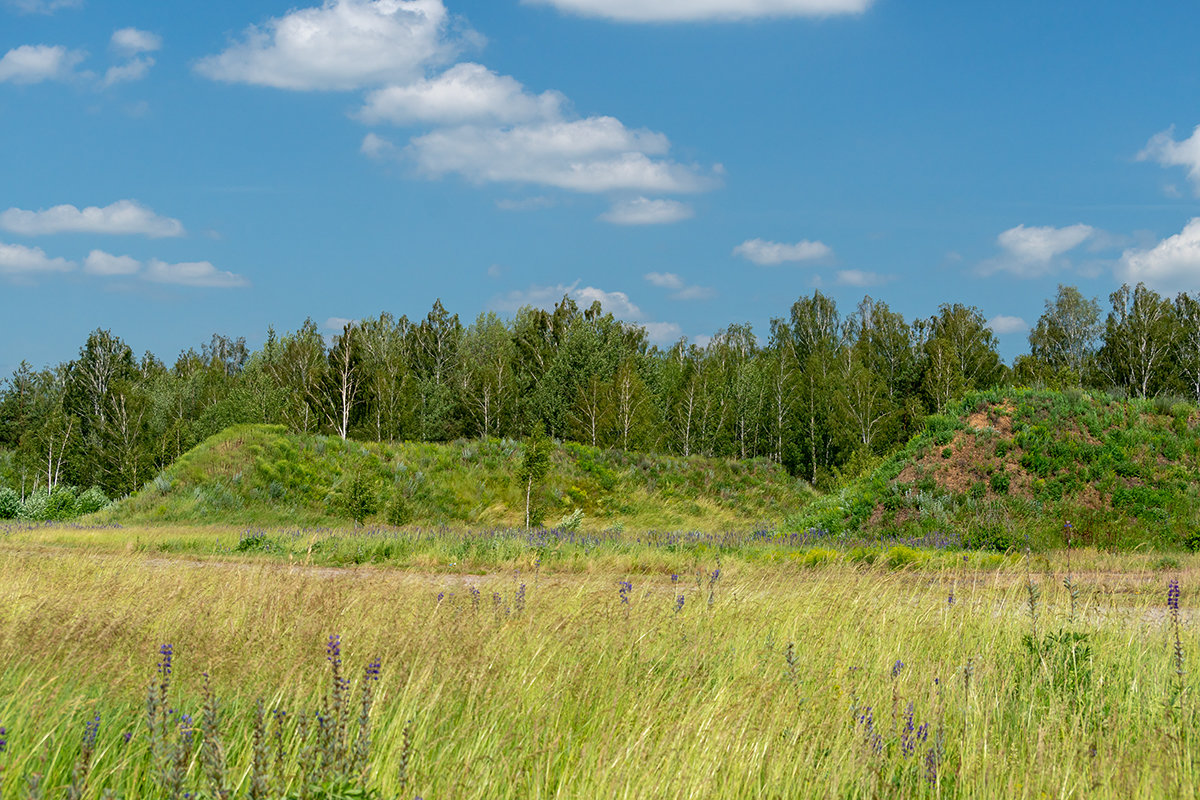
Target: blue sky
x,y
170,170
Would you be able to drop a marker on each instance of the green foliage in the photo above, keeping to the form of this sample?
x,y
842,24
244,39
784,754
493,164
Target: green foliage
x,y
10,503
360,497
286,479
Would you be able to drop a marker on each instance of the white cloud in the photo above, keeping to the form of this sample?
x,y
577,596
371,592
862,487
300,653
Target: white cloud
x,y
195,273
34,63
538,296
662,332
616,303
16,259
465,93
596,154
1002,324
43,6
1171,265
702,341
857,277
1163,148
644,211
1040,244
669,280
339,323
771,253
374,146
343,44
692,10
99,262
664,280
132,70
1031,252
132,42
122,217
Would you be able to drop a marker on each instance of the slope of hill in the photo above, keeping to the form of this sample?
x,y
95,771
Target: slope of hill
x,y
1009,467
262,475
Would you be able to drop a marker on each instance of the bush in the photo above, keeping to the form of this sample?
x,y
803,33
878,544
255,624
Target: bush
x,y
91,501
985,534
61,503
901,556
399,512
35,507
10,503
1000,482
817,556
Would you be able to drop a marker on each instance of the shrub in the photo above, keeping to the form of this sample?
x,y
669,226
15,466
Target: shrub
x,y
61,503
817,556
35,507
902,556
989,534
91,501
1000,482
10,503
399,512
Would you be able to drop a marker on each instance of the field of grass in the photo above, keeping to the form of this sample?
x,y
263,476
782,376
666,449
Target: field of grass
x,y
626,670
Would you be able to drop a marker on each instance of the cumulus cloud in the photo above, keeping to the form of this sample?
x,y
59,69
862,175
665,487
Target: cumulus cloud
x,y
133,70
1163,149
194,273
132,42
126,217
1002,324
99,262
767,253
1172,265
662,332
645,211
693,10
343,44
681,291
1030,252
35,63
465,93
16,259
616,303
857,277
339,323
596,154
664,280
43,6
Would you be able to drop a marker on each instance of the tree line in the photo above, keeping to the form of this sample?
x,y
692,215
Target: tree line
x,y
822,392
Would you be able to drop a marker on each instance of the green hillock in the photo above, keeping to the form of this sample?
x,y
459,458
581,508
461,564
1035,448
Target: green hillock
x,y
263,475
1008,468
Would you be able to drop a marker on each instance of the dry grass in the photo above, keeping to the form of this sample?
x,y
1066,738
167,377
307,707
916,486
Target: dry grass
x,y
580,695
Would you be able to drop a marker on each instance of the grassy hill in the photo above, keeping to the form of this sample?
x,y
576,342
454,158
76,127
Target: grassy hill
x,y
1008,467
262,475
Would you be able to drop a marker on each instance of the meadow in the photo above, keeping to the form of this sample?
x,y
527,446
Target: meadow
x,y
536,665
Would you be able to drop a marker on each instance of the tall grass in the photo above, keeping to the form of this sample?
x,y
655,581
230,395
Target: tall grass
x,y
767,680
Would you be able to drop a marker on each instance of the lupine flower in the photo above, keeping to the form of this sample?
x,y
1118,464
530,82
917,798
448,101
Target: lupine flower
x,y
897,668
520,599
950,599
1173,595
3,739
127,736
678,604
89,733
371,673
334,649
908,739
626,588
441,596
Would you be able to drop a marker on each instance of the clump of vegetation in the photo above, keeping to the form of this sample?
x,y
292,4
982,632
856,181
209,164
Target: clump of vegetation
x,y
262,475
1025,458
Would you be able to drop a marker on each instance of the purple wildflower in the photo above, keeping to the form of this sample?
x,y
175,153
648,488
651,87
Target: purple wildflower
x,y
678,604
1173,595
334,649
3,739
626,588
897,668
520,599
